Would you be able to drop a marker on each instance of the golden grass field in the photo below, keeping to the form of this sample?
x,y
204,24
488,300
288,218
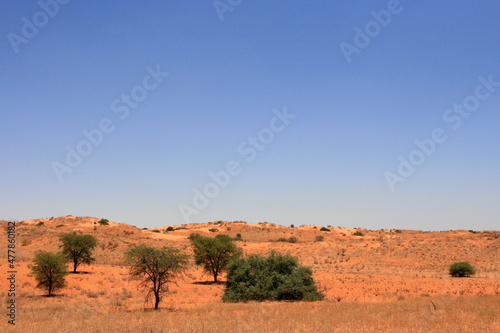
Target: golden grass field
x,y
385,281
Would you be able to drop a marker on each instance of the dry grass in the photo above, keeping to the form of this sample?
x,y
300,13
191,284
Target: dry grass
x,y
441,314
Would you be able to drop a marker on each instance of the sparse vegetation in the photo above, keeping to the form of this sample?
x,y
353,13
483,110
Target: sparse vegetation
x,y
213,254
462,269
358,233
324,229
193,235
39,224
170,228
49,270
276,277
156,268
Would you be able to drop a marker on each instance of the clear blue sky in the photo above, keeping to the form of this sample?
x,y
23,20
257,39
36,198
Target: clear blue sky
x,y
227,72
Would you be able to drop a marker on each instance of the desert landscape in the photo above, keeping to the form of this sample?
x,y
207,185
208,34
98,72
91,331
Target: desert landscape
x,y
373,281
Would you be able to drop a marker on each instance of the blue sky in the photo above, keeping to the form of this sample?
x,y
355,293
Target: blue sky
x,y
232,67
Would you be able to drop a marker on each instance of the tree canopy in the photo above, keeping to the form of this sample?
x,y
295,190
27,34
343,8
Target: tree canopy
x,y
155,268
78,248
213,254
49,270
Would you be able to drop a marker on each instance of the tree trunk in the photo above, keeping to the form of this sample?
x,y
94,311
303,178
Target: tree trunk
x,y
157,300
215,277
75,264
50,289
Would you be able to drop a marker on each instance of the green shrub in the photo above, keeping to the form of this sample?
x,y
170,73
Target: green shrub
x,y
292,226
358,233
238,237
60,225
324,229
276,277
155,230
170,228
103,222
462,269
281,239
292,239
39,224
213,230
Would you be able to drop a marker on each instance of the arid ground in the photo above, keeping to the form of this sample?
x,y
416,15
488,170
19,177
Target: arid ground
x,y
383,281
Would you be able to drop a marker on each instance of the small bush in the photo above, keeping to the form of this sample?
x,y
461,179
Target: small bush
x,y
292,226
155,230
462,269
60,225
193,235
238,237
39,224
319,238
103,222
358,233
170,228
281,239
324,229
213,230
292,239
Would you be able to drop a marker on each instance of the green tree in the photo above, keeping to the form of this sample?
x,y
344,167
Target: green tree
x,y
155,267
462,269
49,270
78,248
213,254
276,277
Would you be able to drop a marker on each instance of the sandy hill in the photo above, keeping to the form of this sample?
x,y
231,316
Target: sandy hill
x,y
351,266
381,264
